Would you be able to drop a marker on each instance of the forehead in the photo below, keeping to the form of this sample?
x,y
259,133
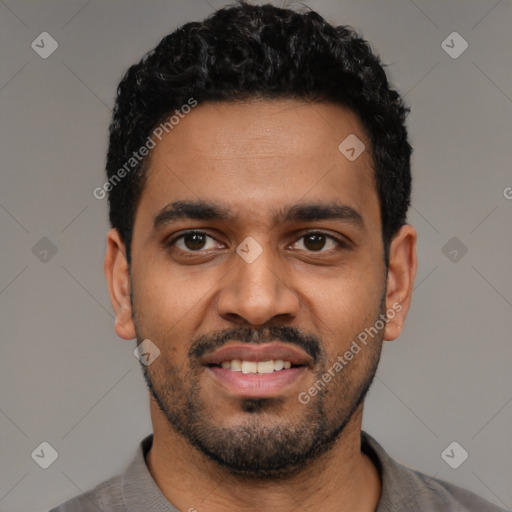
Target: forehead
x,y
256,156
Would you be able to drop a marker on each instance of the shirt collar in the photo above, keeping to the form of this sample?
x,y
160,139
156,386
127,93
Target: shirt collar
x,y
402,487
399,484
140,491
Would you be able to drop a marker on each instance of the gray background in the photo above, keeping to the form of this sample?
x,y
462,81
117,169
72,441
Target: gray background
x,y
65,377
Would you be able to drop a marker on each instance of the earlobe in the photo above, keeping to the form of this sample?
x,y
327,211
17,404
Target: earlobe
x,y
117,272
400,282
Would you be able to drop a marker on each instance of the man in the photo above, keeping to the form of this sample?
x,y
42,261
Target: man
x,y
259,180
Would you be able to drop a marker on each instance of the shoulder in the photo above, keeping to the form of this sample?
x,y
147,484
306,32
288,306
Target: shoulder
x,y
409,490
438,495
117,493
105,496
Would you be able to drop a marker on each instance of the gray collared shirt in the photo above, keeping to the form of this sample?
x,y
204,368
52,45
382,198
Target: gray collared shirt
x,y
403,489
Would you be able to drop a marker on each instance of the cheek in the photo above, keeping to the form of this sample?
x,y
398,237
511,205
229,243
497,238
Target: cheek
x,y
347,293
343,306
168,302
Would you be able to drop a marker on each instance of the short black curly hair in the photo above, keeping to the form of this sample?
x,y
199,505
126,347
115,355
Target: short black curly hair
x,y
249,51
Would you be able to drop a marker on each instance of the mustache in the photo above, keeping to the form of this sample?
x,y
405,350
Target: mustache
x,y
209,342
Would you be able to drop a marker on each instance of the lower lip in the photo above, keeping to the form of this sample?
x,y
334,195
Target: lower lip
x,y
254,385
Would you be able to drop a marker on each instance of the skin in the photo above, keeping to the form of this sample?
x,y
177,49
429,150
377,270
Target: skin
x,y
253,158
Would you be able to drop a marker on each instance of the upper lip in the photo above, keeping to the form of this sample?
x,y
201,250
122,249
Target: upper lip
x,y
258,353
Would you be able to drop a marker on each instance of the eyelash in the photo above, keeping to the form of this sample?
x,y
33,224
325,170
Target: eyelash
x,y
341,244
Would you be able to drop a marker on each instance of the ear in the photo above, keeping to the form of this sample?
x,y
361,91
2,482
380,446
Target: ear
x,y
400,282
117,272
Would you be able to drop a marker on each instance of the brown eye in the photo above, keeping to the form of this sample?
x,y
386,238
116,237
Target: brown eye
x,y
193,241
319,242
314,242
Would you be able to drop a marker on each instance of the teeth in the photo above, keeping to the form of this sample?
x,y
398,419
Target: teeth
x,y
249,367
266,366
236,365
261,367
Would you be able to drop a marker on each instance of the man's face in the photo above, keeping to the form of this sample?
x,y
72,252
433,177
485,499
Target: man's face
x,y
314,280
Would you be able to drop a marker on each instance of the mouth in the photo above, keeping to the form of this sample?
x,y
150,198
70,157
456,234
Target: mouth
x,y
256,367
258,371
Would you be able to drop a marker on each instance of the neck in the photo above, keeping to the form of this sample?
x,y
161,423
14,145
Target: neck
x,y
342,480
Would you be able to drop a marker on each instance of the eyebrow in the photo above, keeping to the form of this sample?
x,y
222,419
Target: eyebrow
x,y
207,210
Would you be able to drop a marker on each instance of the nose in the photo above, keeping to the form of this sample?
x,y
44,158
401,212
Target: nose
x,y
256,292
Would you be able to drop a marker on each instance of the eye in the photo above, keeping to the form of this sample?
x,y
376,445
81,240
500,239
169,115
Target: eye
x,y
318,241
192,241
314,241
